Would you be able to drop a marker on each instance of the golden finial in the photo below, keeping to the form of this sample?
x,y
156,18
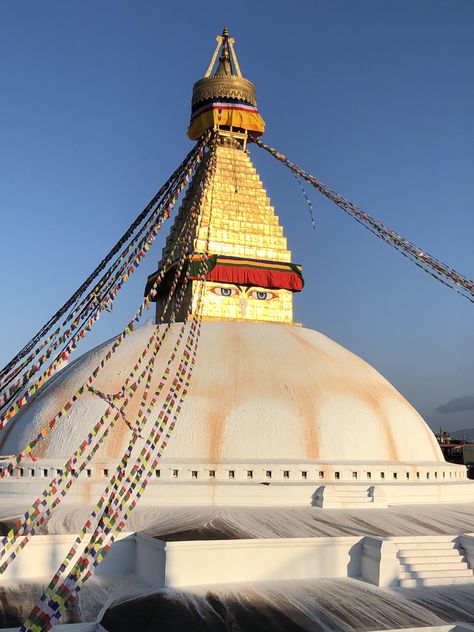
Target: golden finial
x,y
225,42
226,83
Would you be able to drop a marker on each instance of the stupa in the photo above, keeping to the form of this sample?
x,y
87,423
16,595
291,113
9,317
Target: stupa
x,y
299,491
276,413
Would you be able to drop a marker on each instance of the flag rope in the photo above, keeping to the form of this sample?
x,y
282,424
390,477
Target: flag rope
x,y
129,232
56,598
434,267
21,398
52,496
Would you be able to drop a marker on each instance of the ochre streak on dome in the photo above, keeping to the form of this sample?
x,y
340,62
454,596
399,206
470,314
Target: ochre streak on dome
x,y
305,402
120,436
426,429
117,439
428,432
352,387
216,432
382,416
312,439
227,394
43,446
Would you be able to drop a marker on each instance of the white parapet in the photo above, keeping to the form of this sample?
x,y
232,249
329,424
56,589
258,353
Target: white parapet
x,y
174,564
45,553
158,564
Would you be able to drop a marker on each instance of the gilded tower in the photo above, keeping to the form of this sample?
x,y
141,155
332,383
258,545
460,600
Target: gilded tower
x,y
250,275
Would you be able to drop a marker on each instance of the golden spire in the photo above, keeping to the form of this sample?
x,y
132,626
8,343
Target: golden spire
x,y
225,64
250,275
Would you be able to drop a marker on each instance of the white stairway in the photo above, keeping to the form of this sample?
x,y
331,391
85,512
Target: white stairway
x,y
348,495
352,495
432,561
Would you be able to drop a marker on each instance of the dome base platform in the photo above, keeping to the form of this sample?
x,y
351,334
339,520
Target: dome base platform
x,y
278,484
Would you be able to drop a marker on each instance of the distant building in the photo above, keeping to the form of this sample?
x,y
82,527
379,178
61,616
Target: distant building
x,y
459,451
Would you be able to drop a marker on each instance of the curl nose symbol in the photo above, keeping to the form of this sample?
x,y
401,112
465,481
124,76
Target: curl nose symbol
x,y
243,306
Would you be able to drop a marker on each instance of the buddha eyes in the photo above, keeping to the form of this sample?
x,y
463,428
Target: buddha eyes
x,y
224,291
262,296
259,295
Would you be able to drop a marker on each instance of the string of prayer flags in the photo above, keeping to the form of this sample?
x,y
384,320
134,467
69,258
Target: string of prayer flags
x,y
186,235
52,496
184,166
17,401
55,602
434,267
124,489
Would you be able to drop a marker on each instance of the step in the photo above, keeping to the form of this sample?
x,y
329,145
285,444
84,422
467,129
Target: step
x,y
412,539
438,574
414,546
352,499
406,556
434,566
350,492
355,499
439,581
431,559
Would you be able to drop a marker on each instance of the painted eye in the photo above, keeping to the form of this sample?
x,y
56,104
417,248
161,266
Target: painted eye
x,y
224,291
263,296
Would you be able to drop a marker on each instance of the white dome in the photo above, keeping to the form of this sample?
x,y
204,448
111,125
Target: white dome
x,y
258,392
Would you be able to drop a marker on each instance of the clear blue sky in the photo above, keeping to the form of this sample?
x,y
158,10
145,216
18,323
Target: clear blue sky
x,y
375,98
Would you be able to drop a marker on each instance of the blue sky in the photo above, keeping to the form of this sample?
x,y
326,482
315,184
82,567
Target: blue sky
x,y
375,98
